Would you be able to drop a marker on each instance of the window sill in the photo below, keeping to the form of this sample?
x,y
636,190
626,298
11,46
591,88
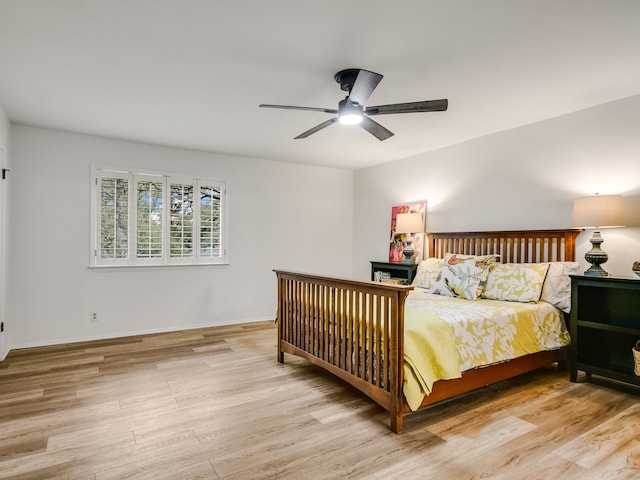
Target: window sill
x,y
157,266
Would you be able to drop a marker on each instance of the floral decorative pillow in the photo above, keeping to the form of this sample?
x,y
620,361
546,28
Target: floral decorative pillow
x,y
557,286
515,282
462,276
427,273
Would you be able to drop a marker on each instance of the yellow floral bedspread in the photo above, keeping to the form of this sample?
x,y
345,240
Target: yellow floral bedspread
x,y
444,336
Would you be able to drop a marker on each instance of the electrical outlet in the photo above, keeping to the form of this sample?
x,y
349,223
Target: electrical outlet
x,y
93,317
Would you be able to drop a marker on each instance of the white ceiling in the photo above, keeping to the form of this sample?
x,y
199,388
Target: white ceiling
x,y
191,73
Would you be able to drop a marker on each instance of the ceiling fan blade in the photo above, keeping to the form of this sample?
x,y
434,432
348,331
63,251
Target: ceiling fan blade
x,y
375,129
411,107
366,82
317,128
293,107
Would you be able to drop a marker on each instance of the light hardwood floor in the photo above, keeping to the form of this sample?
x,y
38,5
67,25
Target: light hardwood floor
x,y
214,404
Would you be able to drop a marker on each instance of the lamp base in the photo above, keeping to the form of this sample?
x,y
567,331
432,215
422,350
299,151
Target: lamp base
x,y
596,271
407,253
596,256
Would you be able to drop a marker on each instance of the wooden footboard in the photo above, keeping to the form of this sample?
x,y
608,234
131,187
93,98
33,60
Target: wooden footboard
x,y
352,329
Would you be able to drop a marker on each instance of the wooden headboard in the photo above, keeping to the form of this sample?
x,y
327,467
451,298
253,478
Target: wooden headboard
x,y
512,246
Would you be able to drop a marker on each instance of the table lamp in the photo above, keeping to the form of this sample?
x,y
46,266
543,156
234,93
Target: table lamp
x,y
598,211
409,223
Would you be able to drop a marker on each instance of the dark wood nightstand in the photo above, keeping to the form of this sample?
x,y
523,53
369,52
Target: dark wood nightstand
x,y
604,326
397,272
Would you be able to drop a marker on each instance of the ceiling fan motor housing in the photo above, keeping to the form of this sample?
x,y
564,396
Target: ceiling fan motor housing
x,y
346,78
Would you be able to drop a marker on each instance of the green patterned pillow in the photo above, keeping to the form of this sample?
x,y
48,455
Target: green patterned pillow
x,y
427,273
462,276
515,282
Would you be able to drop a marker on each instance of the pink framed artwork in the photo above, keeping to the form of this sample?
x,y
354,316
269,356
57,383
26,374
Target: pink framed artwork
x,y
398,242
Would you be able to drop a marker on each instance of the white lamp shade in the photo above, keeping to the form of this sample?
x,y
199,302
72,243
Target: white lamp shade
x,y
599,211
409,223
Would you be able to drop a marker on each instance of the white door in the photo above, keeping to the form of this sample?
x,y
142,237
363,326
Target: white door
x,y
3,202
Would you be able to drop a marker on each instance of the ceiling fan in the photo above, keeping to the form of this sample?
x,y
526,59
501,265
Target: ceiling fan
x,y
360,84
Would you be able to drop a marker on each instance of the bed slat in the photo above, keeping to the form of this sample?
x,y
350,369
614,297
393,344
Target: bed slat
x,y
516,246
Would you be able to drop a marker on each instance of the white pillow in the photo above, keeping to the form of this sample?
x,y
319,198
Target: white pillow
x,y
557,286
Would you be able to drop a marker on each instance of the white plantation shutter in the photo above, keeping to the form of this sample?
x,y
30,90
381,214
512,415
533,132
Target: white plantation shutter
x,y
211,247
181,219
149,218
155,219
113,229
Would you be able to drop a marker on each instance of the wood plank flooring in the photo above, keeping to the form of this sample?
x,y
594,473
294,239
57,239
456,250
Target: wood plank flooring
x,y
214,404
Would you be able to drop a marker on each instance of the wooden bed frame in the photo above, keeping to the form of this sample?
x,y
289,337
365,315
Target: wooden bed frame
x,y
336,323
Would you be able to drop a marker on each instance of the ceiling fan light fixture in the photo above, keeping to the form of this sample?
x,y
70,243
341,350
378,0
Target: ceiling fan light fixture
x,y
350,118
349,113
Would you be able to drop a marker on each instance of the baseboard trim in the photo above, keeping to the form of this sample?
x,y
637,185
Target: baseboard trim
x,y
150,331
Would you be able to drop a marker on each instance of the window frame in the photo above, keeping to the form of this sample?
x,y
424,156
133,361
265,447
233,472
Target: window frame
x,y
165,259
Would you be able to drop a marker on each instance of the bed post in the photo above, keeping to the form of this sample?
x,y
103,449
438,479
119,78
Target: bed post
x,y
397,363
279,319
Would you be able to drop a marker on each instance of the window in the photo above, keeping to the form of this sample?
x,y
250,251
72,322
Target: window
x,y
156,219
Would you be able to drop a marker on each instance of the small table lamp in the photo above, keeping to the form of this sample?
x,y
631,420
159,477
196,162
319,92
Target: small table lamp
x,y
409,223
599,211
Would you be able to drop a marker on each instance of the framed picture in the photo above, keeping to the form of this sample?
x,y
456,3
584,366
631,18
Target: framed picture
x,y
398,242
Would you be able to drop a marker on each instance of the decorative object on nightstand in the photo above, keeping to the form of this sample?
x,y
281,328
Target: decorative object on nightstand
x,y
409,223
598,211
636,268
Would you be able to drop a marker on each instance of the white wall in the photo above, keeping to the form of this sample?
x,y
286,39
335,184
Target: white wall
x,y
519,179
524,178
52,290
4,163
